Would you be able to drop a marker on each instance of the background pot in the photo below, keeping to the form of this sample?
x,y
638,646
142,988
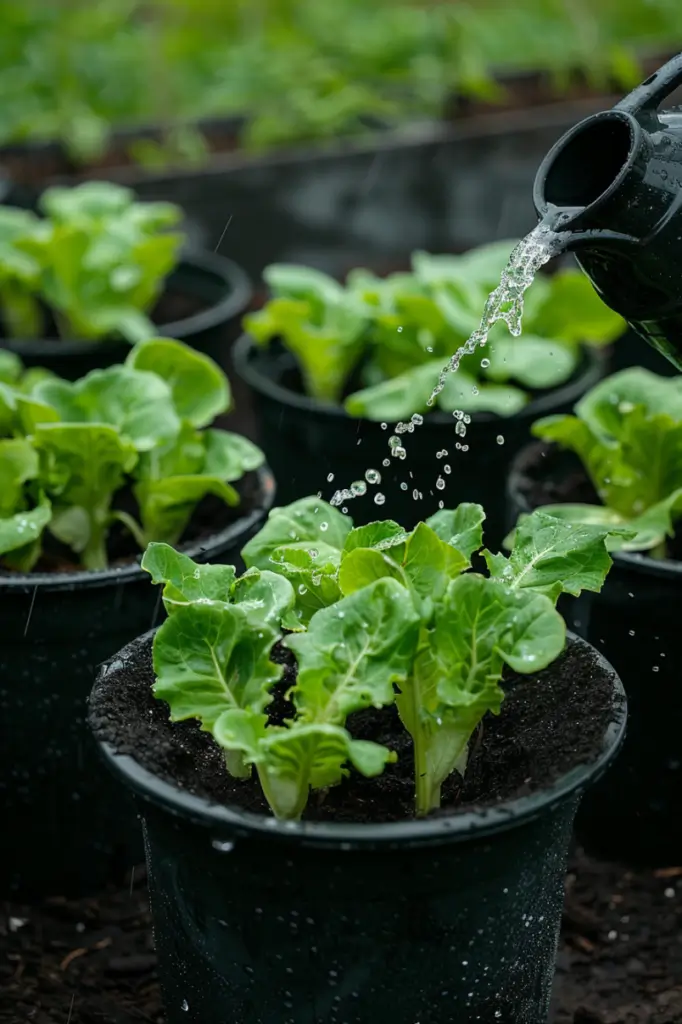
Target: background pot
x,y
202,304
66,829
634,814
305,441
450,919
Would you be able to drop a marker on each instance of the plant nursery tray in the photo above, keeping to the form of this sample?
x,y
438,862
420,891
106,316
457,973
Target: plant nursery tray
x,y
91,961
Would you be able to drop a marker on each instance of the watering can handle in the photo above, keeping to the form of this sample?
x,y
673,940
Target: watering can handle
x,y
648,96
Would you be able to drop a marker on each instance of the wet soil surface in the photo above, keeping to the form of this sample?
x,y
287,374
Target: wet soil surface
x,y
550,723
92,961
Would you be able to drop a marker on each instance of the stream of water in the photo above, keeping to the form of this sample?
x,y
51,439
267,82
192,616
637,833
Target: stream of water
x,y
504,303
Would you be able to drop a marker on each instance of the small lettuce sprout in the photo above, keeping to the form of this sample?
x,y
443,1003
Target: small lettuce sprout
x,y
395,333
97,259
374,616
70,449
627,432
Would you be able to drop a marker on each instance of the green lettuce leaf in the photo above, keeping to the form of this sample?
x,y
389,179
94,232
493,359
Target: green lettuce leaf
x,y
555,556
305,520
138,403
199,387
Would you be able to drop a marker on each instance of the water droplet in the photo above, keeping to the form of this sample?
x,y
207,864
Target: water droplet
x,y
403,486
447,469
415,494
440,483
184,1005
485,363
417,419
330,477
654,668
302,589
342,615
379,498
358,487
386,462
399,330
631,632
499,439
460,428
384,426
373,476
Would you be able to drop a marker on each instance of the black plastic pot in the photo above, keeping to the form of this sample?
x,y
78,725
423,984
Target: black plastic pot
x,y
305,441
66,828
447,920
635,813
206,297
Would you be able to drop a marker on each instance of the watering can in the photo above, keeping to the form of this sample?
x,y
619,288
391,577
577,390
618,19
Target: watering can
x,y
613,183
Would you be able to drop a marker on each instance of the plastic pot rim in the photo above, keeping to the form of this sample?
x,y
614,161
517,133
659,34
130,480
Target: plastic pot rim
x,y
245,349
88,579
233,303
455,828
635,561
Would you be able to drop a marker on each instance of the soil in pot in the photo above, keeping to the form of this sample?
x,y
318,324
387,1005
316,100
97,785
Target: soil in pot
x,y
348,920
634,813
202,304
314,447
66,827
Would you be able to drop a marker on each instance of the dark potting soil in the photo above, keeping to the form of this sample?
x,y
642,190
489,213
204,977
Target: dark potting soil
x,y
91,961
211,516
550,722
549,476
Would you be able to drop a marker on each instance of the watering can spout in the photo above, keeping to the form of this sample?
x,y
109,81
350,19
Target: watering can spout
x,y
613,187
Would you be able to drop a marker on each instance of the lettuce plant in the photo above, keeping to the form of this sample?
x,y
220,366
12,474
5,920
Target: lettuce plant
x,y
627,432
97,259
394,334
70,450
374,616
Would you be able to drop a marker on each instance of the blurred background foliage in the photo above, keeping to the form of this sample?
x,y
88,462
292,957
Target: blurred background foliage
x,y
296,70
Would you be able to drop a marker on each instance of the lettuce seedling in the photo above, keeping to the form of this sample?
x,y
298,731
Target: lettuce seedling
x,y
97,259
627,432
374,616
140,426
395,333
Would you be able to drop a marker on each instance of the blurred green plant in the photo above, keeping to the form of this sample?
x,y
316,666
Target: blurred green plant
x,y
296,69
97,260
393,335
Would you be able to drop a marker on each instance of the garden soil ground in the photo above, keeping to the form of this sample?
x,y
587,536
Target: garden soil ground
x,y
92,961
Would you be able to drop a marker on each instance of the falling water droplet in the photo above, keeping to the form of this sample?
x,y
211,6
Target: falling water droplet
x,y
324,527
330,477
440,483
379,498
373,476
485,363
358,487
184,1005
499,439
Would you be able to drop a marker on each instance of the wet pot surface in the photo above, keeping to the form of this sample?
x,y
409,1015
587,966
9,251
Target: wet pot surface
x,y
67,829
443,920
633,814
